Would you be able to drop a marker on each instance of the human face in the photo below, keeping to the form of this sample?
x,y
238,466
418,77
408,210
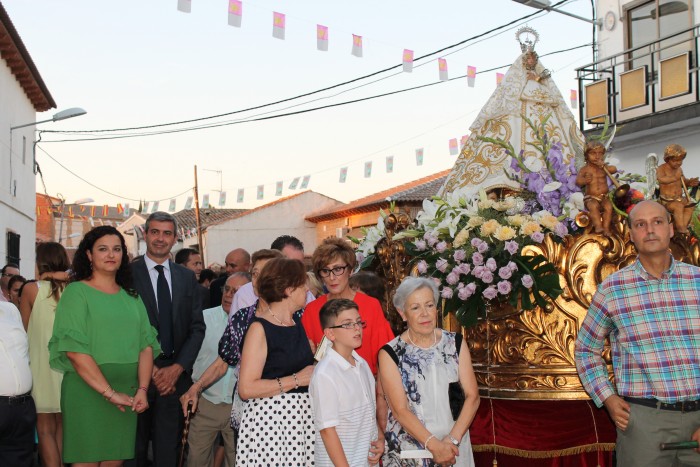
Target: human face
x,y
14,292
257,267
9,272
675,162
651,230
347,338
236,262
531,60
292,253
106,255
336,285
596,156
297,296
194,264
420,311
233,284
160,239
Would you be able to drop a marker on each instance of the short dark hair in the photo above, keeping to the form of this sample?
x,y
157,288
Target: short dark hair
x,y
15,278
183,256
287,240
206,274
264,254
160,216
330,311
370,283
277,276
9,265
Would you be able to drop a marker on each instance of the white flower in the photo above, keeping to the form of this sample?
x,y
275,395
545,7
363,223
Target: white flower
x,y
533,164
551,186
428,213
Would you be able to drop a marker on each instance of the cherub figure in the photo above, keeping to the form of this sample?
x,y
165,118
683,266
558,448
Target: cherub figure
x,y
673,187
594,181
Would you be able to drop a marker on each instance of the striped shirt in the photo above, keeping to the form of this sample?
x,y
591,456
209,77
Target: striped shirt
x,y
654,330
342,396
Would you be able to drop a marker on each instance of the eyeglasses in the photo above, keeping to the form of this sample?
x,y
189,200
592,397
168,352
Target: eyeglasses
x,y
337,271
349,326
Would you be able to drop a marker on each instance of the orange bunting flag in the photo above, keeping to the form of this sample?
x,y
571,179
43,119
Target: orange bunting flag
x,y
442,67
407,60
105,210
120,208
82,208
321,38
235,13
278,22
356,45
471,76
70,211
184,6
499,78
574,99
92,210
454,149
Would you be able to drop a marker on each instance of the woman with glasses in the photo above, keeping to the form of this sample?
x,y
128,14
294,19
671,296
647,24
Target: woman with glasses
x,y
417,369
333,261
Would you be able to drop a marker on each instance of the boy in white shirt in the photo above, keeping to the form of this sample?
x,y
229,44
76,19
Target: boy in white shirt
x,y
343,393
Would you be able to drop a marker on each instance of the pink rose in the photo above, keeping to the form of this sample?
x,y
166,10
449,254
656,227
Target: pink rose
x,y
512,247
477,259
512,266
491,264
422,267
487,276
490,293
441,264
504,287
478,271
537,237
460,255
464,268
463,293
452,278
527,281
483,247
420,245
441,247
446,292
505,272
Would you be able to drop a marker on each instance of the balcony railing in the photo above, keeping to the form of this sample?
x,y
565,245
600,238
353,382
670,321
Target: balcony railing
x,y
654,77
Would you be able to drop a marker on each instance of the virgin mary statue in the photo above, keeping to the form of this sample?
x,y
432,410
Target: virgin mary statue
x,y
525,91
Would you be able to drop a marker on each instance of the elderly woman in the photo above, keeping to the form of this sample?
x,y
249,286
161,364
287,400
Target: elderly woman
x,y
416,369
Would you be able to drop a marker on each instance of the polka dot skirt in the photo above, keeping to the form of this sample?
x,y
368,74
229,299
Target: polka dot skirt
x,y
277,431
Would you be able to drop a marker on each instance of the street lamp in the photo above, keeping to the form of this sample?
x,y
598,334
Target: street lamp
x,y
62,115
62,206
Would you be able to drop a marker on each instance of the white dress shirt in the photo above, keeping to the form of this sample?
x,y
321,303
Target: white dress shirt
x,y
246,297
16,377
221,391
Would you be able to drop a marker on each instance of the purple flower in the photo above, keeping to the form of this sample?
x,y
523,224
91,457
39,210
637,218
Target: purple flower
x,y
527,281
437,282
537,237
422,267
512,266
512,247
491,264
420,245
505,272
452,278
483,247
475,242
441,247
464,293
360,257
446,292
460,255
441,264
478,271
487,276
464,268
477,259
560,229
470,288
490,293
431,239
504,287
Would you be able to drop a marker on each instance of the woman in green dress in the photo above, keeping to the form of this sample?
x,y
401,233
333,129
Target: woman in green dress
x,y
104,343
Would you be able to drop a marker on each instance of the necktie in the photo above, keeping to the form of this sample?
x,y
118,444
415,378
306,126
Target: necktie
x,y
165,313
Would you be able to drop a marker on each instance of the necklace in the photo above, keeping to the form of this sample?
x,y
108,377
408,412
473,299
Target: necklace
x,y
276,318
408,334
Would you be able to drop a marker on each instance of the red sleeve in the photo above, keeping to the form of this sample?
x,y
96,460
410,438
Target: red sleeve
x,y
378,331
310,319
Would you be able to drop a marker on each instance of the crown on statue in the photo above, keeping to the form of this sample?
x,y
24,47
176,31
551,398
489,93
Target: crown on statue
x,y
528,38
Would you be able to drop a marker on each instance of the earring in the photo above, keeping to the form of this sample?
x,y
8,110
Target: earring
x,y
90,265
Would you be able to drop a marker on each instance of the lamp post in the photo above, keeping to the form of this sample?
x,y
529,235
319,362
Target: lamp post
x,y
62,209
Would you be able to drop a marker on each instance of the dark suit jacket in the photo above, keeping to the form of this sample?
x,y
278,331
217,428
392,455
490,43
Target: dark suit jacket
x,y
188,322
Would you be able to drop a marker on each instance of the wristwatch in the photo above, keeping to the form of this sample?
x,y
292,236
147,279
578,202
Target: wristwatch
x,y
453,440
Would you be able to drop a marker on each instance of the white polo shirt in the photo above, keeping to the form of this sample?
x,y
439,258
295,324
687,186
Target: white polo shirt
x,y
343,396
16,378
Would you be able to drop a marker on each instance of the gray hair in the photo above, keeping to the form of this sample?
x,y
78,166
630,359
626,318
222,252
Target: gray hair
x,y
411,284
160,216
248,276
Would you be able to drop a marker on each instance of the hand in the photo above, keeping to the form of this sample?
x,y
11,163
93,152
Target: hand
x,y
121,400
696,437
376,449
588,177
191,396
165,378
693,182
304,376
140,401
619,411
443,452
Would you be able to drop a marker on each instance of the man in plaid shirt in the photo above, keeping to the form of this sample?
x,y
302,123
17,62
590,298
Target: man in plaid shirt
x,y
650,310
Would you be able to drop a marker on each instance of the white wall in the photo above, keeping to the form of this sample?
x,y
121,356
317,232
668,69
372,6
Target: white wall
x,y
258,229
17,180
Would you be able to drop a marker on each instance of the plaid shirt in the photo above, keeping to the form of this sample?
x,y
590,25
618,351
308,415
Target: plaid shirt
x,y
654,330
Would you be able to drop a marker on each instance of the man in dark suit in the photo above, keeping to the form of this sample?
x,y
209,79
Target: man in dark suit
x,y
172,298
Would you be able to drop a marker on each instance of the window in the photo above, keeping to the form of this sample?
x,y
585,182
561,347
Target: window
x,y
653,20
12,248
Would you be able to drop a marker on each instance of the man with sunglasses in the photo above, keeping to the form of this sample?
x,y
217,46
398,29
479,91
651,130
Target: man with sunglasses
x,y
9,270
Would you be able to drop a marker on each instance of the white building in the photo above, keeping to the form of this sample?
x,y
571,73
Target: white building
x,y
22,94
645,79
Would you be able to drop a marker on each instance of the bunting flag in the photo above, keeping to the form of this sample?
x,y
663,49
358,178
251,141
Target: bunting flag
x,y
70,211
145,206
82,208
442,67
235,13
105,210
261,191
389,164
184,6
239,197
205,201
368,169
278,189
188,203
294,184
343,175
93,209
278,25
321,38
222,199
171,207
471,76
463,141
499,78
407,60
126,210
156,205
454,148
120,209
419,156
574,99
356,45
305,182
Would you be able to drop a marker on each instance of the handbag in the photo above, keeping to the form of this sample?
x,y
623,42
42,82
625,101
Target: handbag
x,y
455,392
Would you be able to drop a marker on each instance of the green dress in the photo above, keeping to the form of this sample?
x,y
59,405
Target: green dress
x,y
113,329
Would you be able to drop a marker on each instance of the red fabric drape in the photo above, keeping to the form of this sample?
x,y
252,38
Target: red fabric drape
x,y
542,433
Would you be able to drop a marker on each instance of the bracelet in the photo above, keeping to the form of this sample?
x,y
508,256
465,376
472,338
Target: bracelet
x,y
109,399
280,384
296,381
142,388
106,389
427,441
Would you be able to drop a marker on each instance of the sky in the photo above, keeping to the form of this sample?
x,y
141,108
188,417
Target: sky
x,y
134,63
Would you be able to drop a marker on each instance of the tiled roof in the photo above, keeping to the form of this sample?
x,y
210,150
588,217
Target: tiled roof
x,y
411,192
187,219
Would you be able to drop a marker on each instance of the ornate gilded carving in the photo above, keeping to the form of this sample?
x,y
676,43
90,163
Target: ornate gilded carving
x,y
393,261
